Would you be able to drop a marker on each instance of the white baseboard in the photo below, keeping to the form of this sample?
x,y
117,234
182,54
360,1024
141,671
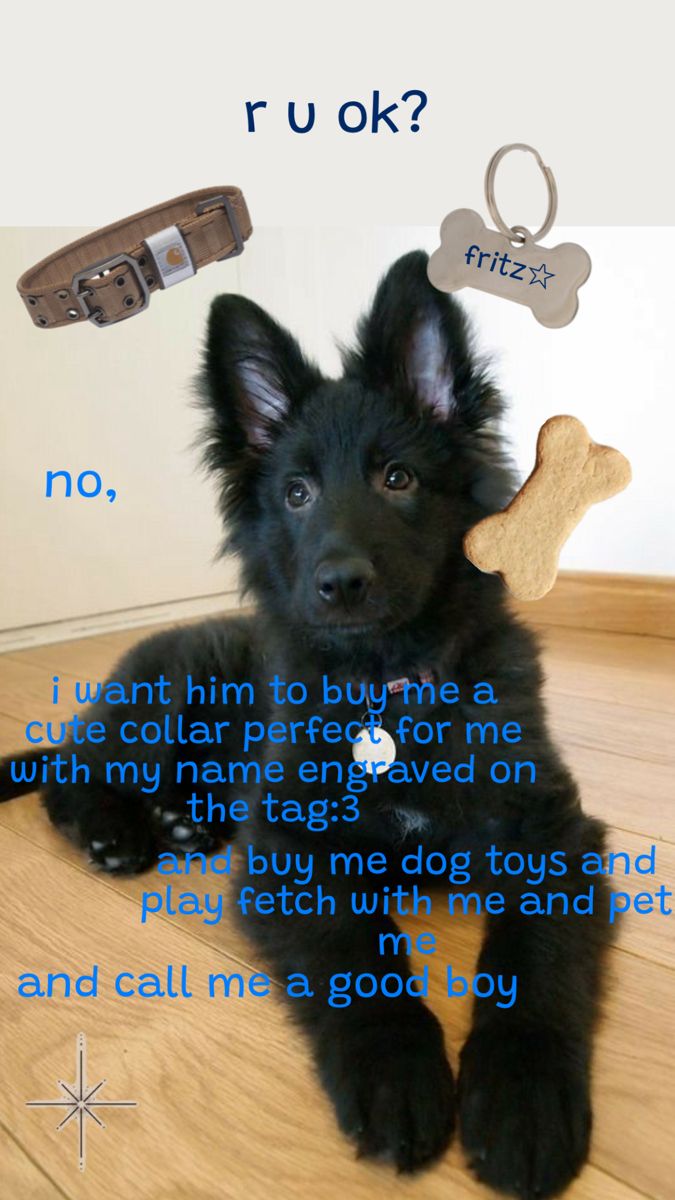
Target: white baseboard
x,y
128,618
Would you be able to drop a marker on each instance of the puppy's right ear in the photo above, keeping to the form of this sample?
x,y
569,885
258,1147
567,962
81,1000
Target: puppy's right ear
x,y
254,374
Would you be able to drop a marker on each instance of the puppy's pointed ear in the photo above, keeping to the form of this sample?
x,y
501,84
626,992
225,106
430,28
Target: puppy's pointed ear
x,y
253,376
415,342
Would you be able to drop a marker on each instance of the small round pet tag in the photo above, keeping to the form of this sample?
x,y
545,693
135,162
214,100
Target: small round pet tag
x,y
380,754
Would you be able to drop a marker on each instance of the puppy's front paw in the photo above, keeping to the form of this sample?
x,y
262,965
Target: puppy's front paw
x,y
392,1087
524,1109
122,851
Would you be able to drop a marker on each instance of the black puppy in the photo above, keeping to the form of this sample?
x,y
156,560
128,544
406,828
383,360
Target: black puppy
x,y
347,502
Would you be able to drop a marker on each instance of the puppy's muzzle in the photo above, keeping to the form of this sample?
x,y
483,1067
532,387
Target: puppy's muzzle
x,y
344,582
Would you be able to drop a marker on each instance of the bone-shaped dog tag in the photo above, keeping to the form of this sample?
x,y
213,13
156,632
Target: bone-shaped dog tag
x,y
544,278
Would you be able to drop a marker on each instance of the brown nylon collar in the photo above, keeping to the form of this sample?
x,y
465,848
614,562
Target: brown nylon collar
x,y
108,275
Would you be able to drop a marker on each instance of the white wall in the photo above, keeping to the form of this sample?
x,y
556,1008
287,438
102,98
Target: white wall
x,y
117,400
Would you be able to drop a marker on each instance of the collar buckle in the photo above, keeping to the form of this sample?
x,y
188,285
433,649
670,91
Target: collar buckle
x,y
82,295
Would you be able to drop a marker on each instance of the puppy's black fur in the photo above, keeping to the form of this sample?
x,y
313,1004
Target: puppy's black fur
x,y
347,502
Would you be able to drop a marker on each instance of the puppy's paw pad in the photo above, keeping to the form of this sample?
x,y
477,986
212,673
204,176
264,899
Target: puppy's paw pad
x,y
121,855
178,832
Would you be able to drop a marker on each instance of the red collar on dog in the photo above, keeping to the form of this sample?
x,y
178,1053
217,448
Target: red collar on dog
x,y
394,686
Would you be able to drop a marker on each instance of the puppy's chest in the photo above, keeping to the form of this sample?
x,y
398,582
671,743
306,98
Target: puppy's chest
x,y
407,770
410,822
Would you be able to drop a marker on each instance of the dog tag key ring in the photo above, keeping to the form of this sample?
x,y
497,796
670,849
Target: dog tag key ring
x,y
510,261
378,752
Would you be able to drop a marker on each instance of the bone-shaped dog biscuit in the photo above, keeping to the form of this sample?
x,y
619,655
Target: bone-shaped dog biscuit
x,y
544,278
523,543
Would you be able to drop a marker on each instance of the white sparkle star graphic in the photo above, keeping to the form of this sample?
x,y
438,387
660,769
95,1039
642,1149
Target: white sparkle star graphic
x,y
537,275
80,1100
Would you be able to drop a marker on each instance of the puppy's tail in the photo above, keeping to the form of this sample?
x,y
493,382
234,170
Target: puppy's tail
x,y
20,773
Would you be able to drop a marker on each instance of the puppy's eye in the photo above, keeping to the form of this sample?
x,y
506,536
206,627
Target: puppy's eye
x,y
298,493
397,477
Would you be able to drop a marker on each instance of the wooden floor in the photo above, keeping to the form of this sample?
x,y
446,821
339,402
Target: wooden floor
x,y
227,1103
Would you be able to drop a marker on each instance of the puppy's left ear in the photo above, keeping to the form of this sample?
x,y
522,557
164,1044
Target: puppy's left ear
x,y
254,375
415,341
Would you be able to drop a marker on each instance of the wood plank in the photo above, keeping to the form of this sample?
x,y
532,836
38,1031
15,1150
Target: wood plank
x,y
593,1184
617,728
25,693
225,1088
618,668
169,1055
624,792
649,935
634,1072
20,1177
642,604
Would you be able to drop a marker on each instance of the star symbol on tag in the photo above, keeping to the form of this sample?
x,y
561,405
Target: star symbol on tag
x,y
78,1099
537,275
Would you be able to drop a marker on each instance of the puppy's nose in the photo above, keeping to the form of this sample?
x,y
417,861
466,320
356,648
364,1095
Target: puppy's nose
x,y
344,581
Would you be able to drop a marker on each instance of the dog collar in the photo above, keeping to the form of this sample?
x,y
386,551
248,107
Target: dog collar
x,y
394,686
378,750
109,275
